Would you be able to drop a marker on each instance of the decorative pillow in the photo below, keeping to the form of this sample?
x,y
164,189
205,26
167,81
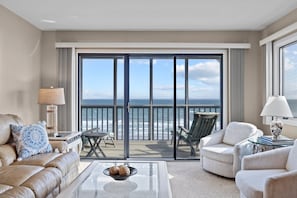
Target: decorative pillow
x,y
238,131
31,139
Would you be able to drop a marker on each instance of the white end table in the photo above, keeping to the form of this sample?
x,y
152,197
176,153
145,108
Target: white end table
x,y
73,140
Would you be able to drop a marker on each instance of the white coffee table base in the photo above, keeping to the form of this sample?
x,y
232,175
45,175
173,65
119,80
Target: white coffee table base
x,y
151,181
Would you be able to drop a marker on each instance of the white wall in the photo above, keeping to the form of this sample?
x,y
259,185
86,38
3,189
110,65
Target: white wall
x,y
19,66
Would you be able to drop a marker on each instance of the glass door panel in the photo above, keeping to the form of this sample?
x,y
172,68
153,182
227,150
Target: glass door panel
x,y
139,111
101,82
162,94
201,77
151,107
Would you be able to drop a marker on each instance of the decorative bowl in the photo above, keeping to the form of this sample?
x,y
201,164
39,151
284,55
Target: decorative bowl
x,y
133,171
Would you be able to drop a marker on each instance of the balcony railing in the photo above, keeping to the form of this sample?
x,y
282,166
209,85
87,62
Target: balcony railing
x,y
146,122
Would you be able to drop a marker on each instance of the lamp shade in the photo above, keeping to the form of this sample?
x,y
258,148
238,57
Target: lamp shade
x,y
51,96
277,106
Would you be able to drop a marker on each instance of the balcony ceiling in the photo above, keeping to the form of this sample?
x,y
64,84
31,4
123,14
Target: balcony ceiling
x,y
154,15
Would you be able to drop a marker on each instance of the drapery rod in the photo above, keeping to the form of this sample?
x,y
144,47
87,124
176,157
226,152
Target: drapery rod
x,y
152,45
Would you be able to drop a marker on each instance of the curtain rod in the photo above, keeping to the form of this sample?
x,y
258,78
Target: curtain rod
x,y
152,45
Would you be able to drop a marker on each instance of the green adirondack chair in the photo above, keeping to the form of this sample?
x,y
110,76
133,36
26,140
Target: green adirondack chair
x,y
202,126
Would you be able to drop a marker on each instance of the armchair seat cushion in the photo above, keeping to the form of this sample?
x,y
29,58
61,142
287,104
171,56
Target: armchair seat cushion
x,y
252,182
220,152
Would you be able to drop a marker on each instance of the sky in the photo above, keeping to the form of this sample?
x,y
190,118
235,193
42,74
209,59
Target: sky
x,y
204,78
290,71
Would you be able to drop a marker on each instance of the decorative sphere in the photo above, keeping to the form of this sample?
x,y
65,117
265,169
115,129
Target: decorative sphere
x,y
124,170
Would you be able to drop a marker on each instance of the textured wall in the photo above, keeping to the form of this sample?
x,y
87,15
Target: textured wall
x,y
19,66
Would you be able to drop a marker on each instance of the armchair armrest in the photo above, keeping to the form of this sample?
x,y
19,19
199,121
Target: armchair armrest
x,y
282,185
273,159
241,149
61,146
212,139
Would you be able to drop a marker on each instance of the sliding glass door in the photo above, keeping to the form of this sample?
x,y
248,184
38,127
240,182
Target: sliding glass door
x,y
141,99
151,106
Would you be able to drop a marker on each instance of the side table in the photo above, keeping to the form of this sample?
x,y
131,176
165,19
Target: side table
x,y
265,143
73,140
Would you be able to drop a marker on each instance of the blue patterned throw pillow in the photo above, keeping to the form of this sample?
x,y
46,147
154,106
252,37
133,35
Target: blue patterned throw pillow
x,y
30,139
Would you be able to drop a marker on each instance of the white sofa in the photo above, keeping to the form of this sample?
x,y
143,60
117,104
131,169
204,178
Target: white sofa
x,y
222,151
270,174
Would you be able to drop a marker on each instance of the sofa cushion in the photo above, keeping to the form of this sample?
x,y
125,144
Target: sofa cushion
x,y
16,175
238,131
38,160
292,159
31,139
251,182
219,152
65,162
44,182
16,192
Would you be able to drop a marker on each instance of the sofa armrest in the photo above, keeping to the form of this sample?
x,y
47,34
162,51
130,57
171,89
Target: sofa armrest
x,y
273,159
282,185
7,154
214,138
61,146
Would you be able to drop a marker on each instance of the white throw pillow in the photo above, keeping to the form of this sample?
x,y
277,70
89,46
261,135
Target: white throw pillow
x,y
238,131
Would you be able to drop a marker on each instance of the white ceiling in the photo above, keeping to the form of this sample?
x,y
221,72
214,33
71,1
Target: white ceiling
x,y
140,15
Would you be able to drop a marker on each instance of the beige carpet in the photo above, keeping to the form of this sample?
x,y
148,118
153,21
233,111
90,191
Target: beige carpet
x,y
188,180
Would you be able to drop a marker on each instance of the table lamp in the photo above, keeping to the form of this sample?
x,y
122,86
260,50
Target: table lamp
x,y
276,107
51,97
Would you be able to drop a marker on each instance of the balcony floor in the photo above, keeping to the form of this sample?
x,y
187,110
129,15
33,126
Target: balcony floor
x,y
141,149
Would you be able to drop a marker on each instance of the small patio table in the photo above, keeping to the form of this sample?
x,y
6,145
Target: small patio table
x,y
95,144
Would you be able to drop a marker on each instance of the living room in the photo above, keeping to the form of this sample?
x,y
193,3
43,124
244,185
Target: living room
x,y
29,53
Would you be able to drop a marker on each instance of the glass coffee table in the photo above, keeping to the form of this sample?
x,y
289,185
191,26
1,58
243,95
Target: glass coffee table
x,y
151,181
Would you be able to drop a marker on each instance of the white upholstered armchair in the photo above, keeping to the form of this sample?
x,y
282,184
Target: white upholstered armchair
x,y
270,174
222,151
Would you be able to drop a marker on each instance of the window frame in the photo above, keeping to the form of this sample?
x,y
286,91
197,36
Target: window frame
x,y
274,75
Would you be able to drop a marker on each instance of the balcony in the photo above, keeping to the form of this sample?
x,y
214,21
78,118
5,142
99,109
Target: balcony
x,y
150,127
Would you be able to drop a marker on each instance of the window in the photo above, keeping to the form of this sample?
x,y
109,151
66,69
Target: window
x,y
285,70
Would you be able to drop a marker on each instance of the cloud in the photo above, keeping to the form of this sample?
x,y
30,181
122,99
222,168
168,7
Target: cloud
x,y
205,72
289,64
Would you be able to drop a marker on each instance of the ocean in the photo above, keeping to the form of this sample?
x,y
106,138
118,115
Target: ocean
x,y
146,101
99,114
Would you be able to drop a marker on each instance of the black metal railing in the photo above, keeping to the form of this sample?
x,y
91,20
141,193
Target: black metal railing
x,y
146,122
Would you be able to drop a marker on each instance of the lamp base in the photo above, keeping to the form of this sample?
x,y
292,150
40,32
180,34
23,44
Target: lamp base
x,y
52,119
276,127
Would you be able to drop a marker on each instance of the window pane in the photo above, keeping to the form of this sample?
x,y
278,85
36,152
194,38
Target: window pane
x,y
204,81
180,81
97,77
162,81
139,81
289,62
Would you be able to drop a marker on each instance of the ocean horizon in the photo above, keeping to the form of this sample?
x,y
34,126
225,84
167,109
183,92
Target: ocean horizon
x,y
214,102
